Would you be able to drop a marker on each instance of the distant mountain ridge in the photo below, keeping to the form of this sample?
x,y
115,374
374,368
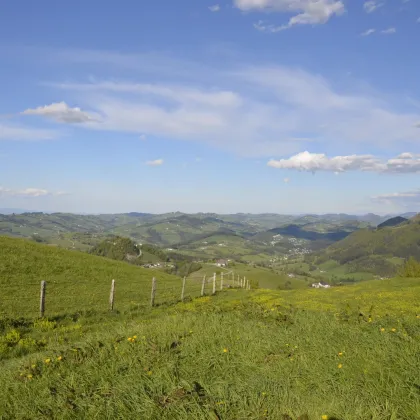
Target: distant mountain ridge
x,y
394,221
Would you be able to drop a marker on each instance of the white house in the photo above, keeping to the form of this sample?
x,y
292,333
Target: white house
x,y
320,285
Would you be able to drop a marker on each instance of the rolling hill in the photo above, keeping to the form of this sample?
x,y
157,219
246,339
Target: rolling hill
x,y
203,236
379,251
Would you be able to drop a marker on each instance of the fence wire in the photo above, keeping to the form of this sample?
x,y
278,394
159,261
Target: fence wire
x,y
22,300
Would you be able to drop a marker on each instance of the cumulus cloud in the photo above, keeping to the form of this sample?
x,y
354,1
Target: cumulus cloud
x,y
214,8
60,112
286,180
368,32
309,12
372,5
314,162
156,162
27,192
389,31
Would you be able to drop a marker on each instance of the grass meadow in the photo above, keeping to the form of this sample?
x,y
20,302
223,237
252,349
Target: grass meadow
x,y
347,353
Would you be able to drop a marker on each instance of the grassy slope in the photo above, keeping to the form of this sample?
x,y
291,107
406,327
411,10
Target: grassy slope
x,y
75,280
239,355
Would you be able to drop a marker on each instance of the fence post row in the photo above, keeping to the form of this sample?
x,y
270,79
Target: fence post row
x,y
183,288
221,281
42,298
214,283
203,285
152,298
112,296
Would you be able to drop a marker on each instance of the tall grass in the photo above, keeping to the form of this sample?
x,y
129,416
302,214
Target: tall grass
x,y
224,357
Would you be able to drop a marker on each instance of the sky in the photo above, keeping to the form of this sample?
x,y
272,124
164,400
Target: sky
x,y
251,106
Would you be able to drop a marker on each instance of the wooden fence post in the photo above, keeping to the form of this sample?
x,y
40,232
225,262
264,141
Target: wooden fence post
x,y
42,299
221,281
152,299
183,288
238,281
203,285
214,283
112,296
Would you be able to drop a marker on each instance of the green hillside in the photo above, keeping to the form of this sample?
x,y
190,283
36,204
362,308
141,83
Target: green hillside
x,y
76,281
247,236
344,353
378,251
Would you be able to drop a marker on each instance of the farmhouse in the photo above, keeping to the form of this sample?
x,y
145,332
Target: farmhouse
x,y
221,263
320,285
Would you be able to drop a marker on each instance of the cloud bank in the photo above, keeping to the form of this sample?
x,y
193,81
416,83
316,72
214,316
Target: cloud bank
x,y
315,162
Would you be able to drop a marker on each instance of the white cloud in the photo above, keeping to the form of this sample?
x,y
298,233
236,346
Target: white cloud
x,y
286,180
27,192
389,31
368,32
17,132
256,111
372,5
60,112
156,162
214,8
418,20
143,137
309,12
314,162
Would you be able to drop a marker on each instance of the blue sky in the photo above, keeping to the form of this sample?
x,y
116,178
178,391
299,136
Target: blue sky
x,y
287,106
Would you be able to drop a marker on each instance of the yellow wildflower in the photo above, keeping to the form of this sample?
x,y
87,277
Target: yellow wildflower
x,y
340,366
340,353
324,417
393,329
134,336
33,366
225,350
59,358
149,372
382,329
29,376
47,361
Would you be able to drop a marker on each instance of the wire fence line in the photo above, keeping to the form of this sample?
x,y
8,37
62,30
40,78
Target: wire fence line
x,y
57,298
